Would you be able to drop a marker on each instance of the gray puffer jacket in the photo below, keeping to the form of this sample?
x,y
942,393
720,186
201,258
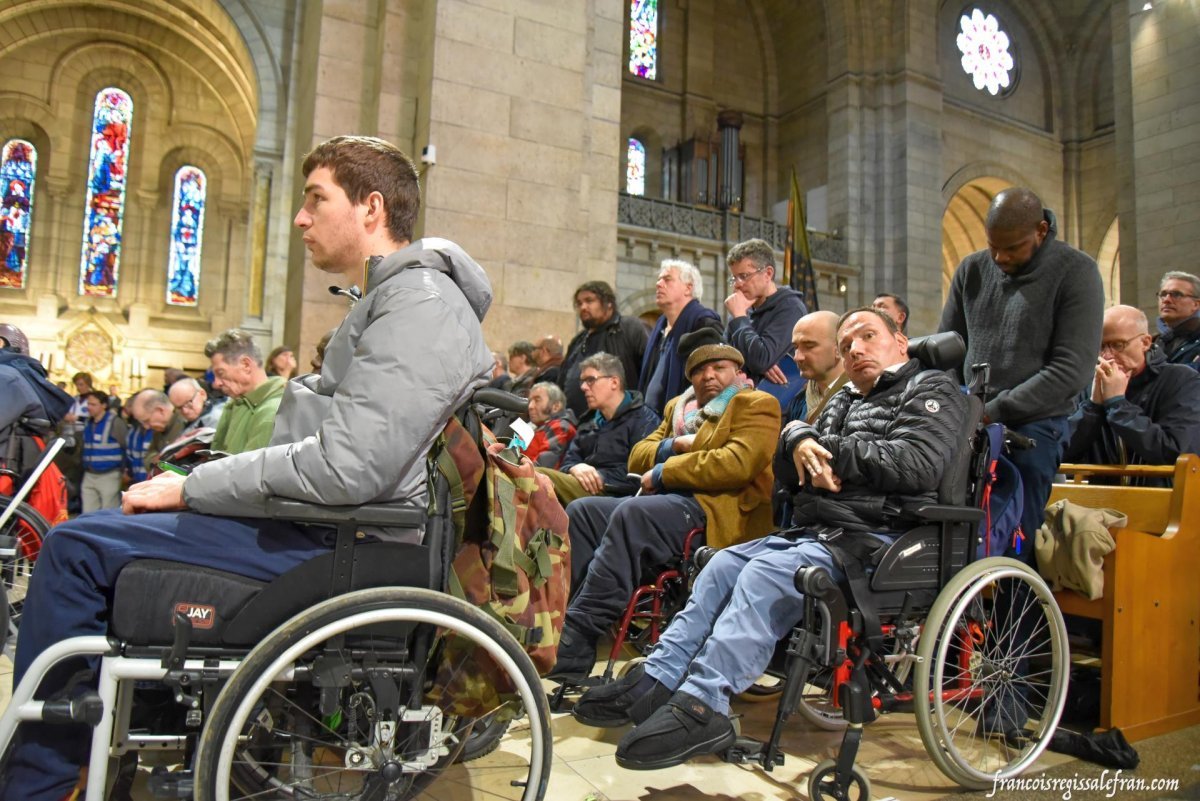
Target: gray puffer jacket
x,y
404,358
889,448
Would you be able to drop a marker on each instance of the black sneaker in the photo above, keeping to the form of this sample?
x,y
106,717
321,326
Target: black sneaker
x,y
620,701
684,728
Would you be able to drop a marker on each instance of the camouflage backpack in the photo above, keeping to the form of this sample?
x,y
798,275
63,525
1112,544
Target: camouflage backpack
x,y
512,560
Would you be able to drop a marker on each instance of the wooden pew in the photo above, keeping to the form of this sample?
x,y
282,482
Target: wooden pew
x,y
1150,612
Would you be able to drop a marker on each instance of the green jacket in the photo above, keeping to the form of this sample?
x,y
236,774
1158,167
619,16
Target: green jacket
x,y
247,422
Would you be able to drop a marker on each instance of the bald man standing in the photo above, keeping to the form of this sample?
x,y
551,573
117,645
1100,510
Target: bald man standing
x,y
1141,409
1031,307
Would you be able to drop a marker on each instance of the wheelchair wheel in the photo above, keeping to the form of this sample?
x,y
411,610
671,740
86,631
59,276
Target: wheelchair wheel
x,y
21,540
816,700
993,666
336,704
486,734
822,783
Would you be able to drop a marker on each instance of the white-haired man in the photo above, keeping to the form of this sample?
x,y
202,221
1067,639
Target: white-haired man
x,y
677,294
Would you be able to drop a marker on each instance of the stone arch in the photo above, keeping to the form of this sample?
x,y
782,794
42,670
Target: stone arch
x,y
963,222
1108,259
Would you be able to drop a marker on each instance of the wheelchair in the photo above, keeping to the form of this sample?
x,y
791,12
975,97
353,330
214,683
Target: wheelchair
x,y
325,683
975,647
22,526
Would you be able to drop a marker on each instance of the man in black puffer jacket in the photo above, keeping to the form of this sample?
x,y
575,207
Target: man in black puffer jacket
x,y
885,440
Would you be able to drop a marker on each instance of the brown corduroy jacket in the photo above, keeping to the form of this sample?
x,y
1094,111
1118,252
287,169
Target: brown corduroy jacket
x,y
728,468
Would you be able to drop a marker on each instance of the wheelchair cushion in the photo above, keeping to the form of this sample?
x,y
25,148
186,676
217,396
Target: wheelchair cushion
x,y
244,611
149,591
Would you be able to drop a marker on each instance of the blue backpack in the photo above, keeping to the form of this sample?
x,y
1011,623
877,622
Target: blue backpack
x,y
1003,501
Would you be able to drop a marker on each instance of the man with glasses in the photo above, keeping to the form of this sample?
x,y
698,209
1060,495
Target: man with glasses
x,y
604,331
1179,319
1141,410
761,318
595,461
193,404
238,371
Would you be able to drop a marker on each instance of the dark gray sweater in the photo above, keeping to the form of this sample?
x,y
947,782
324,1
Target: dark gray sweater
x,y
1038,329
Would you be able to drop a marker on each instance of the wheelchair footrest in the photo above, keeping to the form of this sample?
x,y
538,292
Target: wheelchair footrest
x,y
747,749
164,783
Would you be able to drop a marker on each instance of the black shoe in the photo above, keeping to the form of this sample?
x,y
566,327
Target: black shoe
x,y
620,701
576,653
684,728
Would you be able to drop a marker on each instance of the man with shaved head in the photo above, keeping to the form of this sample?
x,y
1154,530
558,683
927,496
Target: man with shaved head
x,y
1141,410
814,338
1031,307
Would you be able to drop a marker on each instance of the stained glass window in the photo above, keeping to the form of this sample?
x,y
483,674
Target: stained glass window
x,y
984,48
104,210
635,169
187,230
18,167
643,38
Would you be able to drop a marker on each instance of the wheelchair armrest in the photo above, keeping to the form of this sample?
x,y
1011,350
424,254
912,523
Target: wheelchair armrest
x,y
703,556
942,513
400,515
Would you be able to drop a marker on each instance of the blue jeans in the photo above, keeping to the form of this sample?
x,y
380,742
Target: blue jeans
x,y
743,602
69,596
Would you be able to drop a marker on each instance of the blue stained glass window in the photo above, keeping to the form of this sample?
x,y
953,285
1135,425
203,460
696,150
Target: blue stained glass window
x,y
187,231
104,210
18,168
643,38
635,168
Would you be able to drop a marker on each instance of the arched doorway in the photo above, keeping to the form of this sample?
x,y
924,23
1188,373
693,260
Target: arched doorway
x,y
962,223
1109,260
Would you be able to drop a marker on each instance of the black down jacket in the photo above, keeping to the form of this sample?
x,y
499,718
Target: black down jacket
x,y
889,448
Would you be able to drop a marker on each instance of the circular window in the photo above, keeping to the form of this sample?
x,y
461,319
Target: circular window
x,y
985,52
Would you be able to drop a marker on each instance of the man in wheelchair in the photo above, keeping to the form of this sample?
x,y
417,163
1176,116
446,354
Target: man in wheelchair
x,y
355,433
880,443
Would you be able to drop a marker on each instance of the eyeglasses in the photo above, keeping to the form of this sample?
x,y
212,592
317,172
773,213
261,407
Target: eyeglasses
x,y
179,407
734,280
1118,345
587,381
1173,294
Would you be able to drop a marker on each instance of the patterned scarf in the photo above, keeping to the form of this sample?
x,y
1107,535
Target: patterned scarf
x,y
689,416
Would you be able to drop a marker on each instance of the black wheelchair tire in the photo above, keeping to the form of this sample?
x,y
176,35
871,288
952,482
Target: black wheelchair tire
x,y
821,783
14,568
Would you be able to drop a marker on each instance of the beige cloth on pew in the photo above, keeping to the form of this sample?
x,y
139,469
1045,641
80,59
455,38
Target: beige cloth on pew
x,y
1071,545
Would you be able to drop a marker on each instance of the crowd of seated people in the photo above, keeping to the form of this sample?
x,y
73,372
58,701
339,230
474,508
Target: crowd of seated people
x,y
648,434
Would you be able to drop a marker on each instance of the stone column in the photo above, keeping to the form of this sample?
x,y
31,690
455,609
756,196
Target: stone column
x,y
1158,142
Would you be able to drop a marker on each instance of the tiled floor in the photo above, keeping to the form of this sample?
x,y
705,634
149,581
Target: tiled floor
x,y
584,769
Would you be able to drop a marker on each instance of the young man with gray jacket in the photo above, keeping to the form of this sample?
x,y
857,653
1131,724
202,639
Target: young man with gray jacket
x,y
356,433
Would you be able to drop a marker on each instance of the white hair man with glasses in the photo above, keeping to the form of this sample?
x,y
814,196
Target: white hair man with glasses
x,y
761,317
193,404
1179,319
1141,410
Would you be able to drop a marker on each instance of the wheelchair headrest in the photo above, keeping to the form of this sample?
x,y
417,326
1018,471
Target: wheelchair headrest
x,y
499,399
944,351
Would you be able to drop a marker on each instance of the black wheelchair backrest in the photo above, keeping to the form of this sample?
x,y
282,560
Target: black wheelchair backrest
x,y
944,351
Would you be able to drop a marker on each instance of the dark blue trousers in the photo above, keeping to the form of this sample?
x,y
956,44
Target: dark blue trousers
x,y
70,595
1037,467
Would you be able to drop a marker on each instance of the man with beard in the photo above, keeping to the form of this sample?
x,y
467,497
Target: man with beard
x,y
604,331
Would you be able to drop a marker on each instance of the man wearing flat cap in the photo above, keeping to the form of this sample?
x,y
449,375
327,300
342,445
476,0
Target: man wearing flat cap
x,y
707,465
